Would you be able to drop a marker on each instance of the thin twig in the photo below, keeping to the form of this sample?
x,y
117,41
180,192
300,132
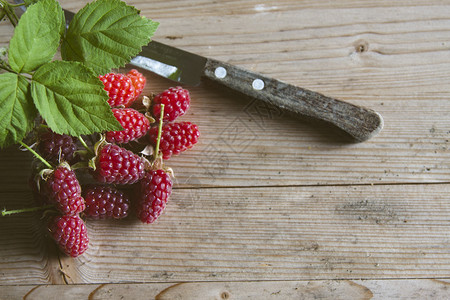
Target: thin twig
x,y
36,155
85,145
22,210
158,141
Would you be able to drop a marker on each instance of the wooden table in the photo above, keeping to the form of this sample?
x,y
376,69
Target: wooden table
x,y
268,206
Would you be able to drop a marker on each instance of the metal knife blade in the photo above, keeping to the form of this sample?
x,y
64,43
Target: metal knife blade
x,y
173,63
188,68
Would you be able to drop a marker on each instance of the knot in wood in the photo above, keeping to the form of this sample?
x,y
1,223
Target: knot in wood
x,y
361,46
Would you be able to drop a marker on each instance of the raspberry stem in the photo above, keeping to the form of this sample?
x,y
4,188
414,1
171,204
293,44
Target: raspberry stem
x,y
16,5
23,210
4,66
85,145
159,132
36,155
8,9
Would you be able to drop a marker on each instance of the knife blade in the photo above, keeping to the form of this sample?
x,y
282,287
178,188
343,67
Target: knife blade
x,y
191,69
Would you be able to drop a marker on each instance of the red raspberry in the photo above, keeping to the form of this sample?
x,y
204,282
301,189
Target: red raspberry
x,y
118,165
134,123
103,202
120,89
57,147
70,234
153,193
175,137
63,190
138,81
176,102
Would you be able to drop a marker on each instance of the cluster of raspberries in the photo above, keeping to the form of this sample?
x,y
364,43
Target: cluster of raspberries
x,y
124,181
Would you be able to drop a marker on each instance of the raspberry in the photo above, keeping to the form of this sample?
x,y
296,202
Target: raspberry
x,y
153,192
118,165
176,102
70,234
175,137
134,123
57,147
103,202
120,89
63,189
138,81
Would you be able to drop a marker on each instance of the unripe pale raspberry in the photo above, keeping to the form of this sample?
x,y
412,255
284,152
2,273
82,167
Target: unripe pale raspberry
x,y
70,234
35,183
153,192
105,202
117,165
64,191
38,196
120,89
134,123
56,148
138,81
176,102
175,137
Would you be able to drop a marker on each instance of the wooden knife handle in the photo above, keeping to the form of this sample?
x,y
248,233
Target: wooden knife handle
x,y
361,123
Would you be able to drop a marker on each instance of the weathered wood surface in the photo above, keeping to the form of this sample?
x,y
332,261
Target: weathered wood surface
x,y
318,289
267,204
297,233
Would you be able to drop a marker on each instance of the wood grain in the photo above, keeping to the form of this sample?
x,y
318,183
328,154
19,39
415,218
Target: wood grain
x,y
26,256
361,55
294,233
245,144
319,289
265,204
357,54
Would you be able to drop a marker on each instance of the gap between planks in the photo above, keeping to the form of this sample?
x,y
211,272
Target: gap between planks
x,y
308,185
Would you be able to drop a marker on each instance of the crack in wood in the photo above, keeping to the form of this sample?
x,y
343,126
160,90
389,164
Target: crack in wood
x,y
30,291
91,294
166,290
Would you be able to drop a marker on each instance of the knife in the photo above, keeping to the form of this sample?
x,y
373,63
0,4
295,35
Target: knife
x,y
188,68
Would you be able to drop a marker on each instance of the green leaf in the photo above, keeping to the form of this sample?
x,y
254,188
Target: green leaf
x,y
71,99
17,111
36,37
106,34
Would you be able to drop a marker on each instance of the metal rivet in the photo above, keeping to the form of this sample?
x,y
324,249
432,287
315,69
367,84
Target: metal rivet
x,y
220,72
258,84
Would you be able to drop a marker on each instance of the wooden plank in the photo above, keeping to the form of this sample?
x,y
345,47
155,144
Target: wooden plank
x,y
200,8
319,289
246,206
388,58
292,233
288,152
27,255
244,143
392,58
